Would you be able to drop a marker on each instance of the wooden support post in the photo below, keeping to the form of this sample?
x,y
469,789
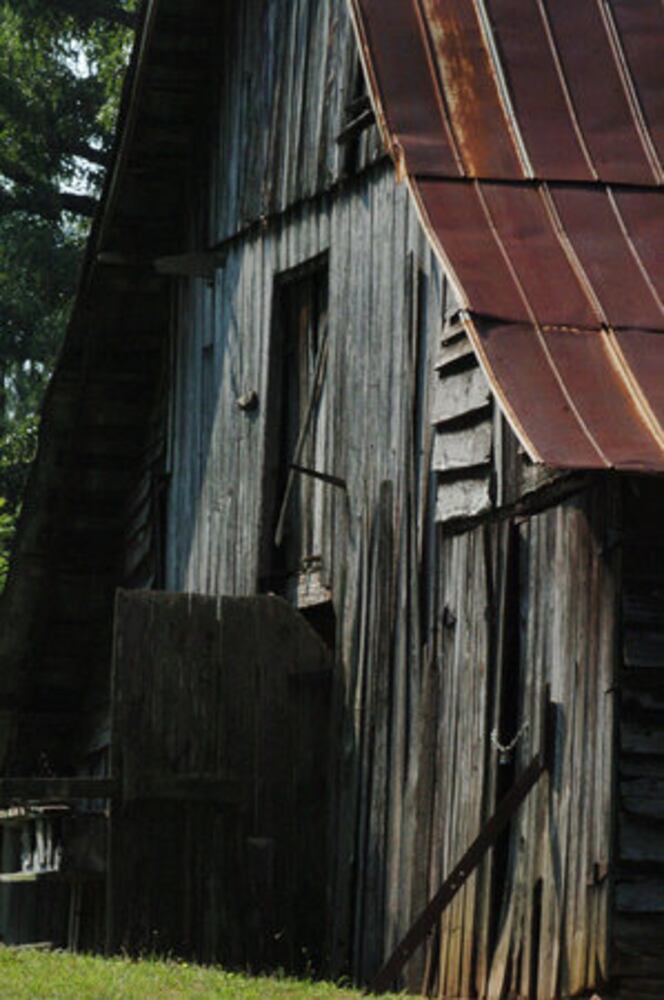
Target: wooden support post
x,y
486,839
325,477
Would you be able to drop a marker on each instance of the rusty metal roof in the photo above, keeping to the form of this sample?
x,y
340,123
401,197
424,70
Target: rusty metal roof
x,y
532,133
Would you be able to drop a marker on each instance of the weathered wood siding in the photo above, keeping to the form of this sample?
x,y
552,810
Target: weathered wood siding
x,y
462,412
534,924
217,449
220,742
378,439
288,73
436,634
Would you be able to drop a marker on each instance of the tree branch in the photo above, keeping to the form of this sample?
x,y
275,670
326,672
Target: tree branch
x,y
47,203
102,10
89,153
79,204
120,16
82,11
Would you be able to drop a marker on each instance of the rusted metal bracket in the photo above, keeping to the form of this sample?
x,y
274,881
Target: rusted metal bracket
x,y
541,762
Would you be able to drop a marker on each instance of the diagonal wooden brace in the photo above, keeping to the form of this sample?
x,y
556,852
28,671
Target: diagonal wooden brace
x,y
542,761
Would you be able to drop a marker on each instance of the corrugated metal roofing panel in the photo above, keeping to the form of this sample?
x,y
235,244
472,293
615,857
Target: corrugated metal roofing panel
x,y
640,24
550,133
644,356
602,399
470,89
463,229
560,271
402,72
538,407
523,223
642,218
598,240
600,91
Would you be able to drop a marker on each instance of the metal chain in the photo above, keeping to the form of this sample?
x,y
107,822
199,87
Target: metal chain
x,y
508,747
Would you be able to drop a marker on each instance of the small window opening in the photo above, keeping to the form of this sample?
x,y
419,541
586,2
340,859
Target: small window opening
x,y
508,697
358,117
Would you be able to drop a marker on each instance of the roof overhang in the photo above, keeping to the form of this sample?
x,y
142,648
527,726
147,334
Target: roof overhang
x,y
531,137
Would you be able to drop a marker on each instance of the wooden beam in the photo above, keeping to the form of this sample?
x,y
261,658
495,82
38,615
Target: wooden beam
x,y
355,127
56,789
325,477
197,264
171,787
60,875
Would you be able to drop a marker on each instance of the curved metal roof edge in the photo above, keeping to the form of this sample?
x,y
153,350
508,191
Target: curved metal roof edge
x,y
636,409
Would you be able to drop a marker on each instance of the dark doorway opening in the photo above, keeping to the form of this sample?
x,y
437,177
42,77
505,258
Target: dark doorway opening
x,y
291,550
508,695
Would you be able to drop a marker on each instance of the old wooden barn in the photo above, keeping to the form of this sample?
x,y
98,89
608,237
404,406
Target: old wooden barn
x,y
339,586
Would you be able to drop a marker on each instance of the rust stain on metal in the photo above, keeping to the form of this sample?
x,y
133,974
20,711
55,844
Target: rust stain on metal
x,y
637,25
562,280
402,79
470,89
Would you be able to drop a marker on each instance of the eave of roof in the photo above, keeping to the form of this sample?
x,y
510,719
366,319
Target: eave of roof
x,y
56,610
535,160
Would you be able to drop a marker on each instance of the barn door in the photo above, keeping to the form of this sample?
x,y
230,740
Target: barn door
x,y
219,746
296,430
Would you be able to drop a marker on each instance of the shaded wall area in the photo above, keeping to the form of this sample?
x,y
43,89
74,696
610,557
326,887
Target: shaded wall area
x,y
638,924
519,604
220,737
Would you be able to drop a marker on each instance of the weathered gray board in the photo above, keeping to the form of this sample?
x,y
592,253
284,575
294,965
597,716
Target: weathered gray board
x,y
418,616
421,624
523,605
221,707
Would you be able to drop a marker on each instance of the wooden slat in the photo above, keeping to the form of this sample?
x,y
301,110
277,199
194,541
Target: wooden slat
x,y
57,789
458,449
465,867
464,498
460,394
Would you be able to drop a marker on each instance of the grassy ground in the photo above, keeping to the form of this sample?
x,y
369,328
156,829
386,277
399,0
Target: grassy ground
x,y
43,975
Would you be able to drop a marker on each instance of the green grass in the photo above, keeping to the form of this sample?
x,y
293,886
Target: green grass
x,y
30,974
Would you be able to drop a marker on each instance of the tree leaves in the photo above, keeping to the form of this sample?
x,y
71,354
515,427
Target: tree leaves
x,y
17,450
61,67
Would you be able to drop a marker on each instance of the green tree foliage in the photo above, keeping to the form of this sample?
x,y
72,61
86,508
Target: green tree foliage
x,y
61,69
17,450
7,525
